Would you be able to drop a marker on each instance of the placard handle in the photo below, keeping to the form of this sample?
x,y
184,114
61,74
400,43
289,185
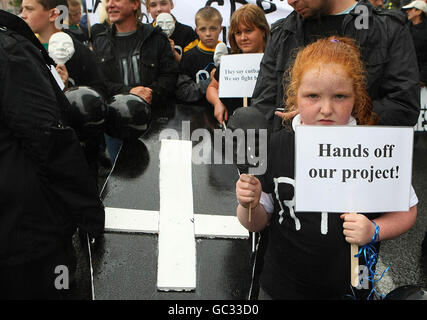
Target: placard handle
x,y
354,264
354,249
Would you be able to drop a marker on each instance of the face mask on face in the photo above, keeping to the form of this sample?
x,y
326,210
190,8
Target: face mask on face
x,y
166,22
61,47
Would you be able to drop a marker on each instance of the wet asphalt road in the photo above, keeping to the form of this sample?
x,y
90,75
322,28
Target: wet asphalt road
x,y
404,254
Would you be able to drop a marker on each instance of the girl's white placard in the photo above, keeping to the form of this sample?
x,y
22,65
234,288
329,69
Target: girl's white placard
x,y
238,75
353,168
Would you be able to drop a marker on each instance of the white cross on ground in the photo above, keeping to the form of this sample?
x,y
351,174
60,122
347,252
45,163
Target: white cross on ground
x,y
176,223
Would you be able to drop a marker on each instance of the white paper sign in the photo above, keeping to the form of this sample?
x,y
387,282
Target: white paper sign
x,y
353,168
185,10
422,119
94,8
238,75
57,77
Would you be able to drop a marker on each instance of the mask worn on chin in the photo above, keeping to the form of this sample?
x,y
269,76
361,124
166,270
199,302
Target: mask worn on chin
x,y
166,22
61,47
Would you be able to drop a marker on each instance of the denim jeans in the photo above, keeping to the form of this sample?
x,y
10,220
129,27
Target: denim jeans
x,y
113,147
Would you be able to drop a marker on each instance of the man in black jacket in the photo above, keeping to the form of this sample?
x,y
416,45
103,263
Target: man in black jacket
x,y
135,58
386,47
45,185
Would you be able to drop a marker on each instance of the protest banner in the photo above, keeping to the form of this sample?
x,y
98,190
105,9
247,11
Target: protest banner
x,y
184,11
421,125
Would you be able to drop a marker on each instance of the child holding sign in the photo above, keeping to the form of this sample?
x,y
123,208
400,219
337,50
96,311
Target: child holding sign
x,y
248,33
307,256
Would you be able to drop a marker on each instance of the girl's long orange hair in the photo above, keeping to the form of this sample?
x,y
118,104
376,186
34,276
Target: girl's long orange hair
x,y
334,50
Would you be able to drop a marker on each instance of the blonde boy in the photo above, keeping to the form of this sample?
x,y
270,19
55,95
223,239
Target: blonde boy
x,y
208,26
197,63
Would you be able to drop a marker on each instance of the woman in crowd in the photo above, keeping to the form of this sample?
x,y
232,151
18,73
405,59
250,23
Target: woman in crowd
x,y
248,33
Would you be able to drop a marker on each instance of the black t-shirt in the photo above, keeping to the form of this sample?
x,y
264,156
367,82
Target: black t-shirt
x,y
307,256
323,27
128,49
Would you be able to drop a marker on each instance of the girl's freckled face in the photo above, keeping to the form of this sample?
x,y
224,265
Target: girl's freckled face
x,y
325,96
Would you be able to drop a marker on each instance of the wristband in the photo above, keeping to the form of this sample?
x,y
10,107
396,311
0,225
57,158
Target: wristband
x,y
376,236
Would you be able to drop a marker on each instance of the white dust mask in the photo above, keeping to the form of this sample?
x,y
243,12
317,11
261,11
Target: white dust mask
x,y
61,47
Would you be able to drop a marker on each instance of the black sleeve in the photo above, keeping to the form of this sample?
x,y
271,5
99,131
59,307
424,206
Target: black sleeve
x,y
265,91
216,74
266,179
189,91
69,179
164,85
30,107
400,92
28,102
84,70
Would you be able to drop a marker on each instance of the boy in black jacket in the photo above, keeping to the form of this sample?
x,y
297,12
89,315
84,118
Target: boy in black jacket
x,y
46,188
197,63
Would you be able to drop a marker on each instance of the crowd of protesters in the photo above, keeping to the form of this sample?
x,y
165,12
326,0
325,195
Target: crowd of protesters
x,y
46,189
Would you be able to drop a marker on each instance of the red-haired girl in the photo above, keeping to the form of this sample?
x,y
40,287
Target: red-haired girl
x,y
307,255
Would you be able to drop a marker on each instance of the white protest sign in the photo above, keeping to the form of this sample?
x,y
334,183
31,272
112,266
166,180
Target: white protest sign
x,y
95,8
422,118
238,75
353,168
56,76
185,10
